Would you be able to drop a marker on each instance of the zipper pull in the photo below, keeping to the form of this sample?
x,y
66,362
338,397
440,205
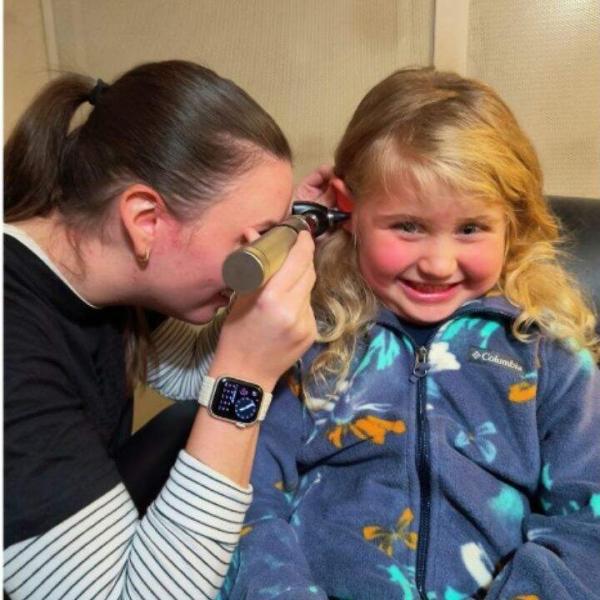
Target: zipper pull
x,y
421,365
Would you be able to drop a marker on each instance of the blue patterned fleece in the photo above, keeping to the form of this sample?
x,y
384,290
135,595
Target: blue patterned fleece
x,y
467,469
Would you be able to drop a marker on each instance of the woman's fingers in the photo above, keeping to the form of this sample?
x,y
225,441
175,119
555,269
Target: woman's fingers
x,y
314,187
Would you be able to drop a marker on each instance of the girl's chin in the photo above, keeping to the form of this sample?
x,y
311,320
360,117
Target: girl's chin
x,y
424,313
420,318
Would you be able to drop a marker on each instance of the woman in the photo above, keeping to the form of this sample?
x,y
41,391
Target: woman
x,y
134,209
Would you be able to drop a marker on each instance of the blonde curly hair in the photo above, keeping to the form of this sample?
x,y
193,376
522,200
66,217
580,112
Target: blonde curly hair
x,y
427,125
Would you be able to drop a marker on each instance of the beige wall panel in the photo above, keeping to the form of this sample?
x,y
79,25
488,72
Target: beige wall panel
x,y
25,63
307,61
543,57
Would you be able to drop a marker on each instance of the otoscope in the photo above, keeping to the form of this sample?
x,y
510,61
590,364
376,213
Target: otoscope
x,y
250,267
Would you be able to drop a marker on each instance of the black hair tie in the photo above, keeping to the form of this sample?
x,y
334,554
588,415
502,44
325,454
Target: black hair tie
x,y
97,91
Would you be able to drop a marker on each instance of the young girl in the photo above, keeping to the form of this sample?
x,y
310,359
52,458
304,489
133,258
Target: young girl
x,y
444,441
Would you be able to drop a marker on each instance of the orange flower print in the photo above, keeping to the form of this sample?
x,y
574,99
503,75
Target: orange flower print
x,y
246,530
364,428
386,539
522,392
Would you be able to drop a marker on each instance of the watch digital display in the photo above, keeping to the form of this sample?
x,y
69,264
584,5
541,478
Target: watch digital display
x,y
236,400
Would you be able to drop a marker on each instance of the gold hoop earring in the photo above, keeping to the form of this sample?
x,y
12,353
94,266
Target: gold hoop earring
x,y
143,260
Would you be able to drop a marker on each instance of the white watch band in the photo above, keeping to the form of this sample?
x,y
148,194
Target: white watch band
x,y
208,386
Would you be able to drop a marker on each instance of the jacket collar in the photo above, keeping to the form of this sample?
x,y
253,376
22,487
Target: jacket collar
x,y
488,305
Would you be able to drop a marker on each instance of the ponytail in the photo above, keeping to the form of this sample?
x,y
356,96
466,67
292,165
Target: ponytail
x,y
33,152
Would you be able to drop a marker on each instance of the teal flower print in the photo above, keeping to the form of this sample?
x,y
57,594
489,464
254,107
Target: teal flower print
x,y
479,438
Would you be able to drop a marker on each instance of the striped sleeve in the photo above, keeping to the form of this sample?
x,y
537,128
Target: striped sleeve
x,y
180,549
182,355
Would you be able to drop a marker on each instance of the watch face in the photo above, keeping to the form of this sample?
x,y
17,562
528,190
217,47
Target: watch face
x,y
236,400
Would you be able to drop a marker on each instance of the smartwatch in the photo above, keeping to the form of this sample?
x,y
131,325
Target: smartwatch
x,y
234,400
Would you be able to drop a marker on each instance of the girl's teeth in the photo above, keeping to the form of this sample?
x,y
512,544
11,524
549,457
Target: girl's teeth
x,y
429,288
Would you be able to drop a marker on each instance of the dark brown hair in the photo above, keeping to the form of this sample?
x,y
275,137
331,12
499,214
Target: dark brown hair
x,y
175,126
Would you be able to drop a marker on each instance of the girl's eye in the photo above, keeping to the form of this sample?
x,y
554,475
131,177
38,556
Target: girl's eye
x,y
406,226
470,228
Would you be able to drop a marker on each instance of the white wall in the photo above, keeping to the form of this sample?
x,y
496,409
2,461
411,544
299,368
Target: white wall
x,y
25,61
543,56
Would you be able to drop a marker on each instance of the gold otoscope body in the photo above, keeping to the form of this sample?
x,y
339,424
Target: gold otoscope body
x,y
250,267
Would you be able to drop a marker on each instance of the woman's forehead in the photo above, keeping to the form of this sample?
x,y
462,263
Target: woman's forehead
x,y
259,198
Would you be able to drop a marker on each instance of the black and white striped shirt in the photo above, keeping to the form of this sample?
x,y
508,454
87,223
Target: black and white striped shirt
x,y
71,528
181,548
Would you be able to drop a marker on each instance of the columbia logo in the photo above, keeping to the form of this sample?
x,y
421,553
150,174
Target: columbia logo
x,y
489,357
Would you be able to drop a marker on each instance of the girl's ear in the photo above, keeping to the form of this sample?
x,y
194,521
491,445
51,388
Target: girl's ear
x,y
141,208
343,200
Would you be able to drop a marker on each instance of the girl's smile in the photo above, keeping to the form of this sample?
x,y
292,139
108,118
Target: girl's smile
x,y
428,292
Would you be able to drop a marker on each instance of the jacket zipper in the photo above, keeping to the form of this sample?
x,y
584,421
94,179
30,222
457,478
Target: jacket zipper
x,y
420,369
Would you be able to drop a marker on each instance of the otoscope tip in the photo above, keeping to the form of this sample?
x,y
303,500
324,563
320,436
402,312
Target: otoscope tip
x,y
338,216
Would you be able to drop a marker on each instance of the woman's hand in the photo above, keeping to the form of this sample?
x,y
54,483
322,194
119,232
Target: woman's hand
x,y
263,334
266,331
315,187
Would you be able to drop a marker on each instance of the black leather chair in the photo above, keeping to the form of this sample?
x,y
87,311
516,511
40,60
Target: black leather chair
x,y
146,459
580,221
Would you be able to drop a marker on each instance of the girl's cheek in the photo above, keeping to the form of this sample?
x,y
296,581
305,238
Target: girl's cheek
x,y
485,262
387,260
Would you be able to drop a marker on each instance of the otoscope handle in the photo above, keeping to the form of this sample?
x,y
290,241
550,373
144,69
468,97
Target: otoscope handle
x,y
248,268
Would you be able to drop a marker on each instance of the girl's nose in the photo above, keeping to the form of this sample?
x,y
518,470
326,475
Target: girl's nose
x,y
438,261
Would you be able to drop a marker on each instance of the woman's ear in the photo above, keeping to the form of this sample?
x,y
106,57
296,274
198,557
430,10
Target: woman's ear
x,y
344,200
140,209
